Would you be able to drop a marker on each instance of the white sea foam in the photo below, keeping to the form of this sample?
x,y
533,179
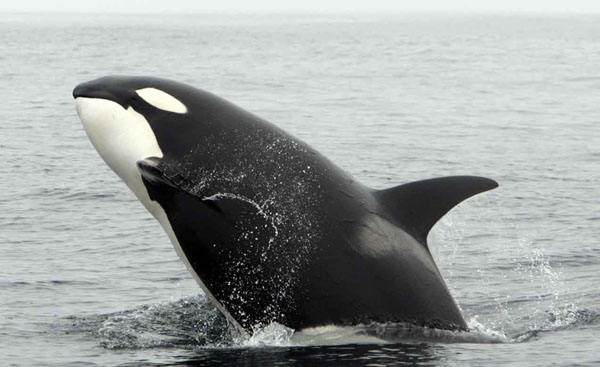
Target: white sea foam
x,y
274,334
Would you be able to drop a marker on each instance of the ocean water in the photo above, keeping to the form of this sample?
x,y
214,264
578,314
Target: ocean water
x,y
87,277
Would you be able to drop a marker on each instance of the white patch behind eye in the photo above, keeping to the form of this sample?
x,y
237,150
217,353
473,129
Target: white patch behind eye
x,y
162,100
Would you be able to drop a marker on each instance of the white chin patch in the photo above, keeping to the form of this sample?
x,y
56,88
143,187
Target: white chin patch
x,y
161,100
122,137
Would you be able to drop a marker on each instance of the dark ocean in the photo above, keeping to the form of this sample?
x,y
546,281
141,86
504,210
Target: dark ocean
x,y
88,277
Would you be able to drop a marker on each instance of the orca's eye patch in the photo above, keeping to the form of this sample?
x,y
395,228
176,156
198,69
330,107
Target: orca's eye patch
x,y
161,100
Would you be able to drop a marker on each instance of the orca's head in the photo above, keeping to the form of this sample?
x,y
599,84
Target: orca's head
x,y
116,112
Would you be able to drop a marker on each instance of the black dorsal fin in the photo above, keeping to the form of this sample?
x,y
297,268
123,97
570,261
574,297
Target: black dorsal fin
x,y
417,206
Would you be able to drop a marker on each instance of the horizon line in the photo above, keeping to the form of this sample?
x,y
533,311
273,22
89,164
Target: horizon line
x,y
381,11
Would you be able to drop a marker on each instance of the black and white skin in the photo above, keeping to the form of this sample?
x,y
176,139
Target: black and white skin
x,y
271,229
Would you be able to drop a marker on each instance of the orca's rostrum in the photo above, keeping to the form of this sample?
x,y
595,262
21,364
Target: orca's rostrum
x,y
271,229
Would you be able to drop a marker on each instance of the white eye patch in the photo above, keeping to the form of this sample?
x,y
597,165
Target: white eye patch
x,y
161,100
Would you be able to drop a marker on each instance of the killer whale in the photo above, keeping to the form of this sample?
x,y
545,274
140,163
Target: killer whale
x,y
271,229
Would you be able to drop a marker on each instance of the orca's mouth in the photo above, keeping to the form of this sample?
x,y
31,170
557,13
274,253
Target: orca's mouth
x,y
93,90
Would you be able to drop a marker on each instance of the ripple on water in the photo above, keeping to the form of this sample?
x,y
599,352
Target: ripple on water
x,y
192,322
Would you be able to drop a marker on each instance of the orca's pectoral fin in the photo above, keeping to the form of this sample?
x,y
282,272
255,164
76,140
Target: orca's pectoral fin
x,y
218,218
171,191
159,178
165,184
417,206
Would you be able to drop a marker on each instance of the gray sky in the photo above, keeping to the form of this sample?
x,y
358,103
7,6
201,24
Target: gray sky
x,y
127,6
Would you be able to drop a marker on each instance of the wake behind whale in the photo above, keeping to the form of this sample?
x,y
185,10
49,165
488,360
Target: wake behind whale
x,y
273,231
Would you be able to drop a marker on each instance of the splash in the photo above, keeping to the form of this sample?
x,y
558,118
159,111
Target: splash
x,y
193,322
557,319
519,291
273,334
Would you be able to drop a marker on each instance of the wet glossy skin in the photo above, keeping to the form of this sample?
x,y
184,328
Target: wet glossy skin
x,y
277,232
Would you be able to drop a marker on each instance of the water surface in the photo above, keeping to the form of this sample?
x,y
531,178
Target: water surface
x,y
87,277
